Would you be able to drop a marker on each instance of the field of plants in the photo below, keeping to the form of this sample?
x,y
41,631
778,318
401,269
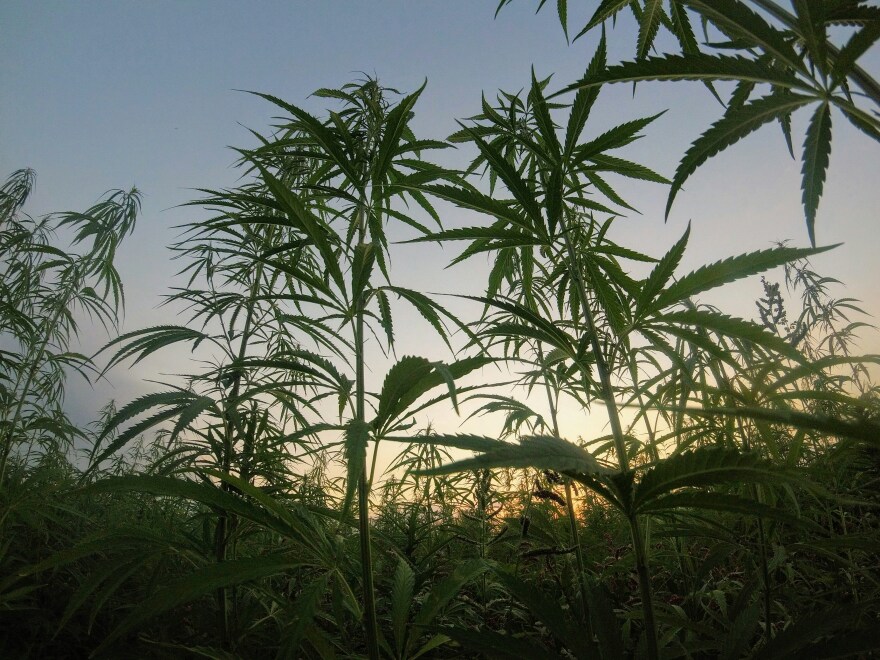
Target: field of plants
x,y
728,508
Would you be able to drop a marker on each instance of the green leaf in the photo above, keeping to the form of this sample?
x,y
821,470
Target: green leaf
x,y
857,45
689,67
562,12
445,590
606,163
617,137
706,466
864,430
541,452
737,123
607,9
584,100
517,186
723,502
310,224
731,269
737,20
839,622
402,589
170,404
395,125
662,272
648,26
199,583
811,24
321,134
361,269
493,644
410,378
306,608
817,149
549,613
148,341
730,326
546,127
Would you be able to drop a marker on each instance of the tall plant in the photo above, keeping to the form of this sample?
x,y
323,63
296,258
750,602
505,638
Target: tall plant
x,y
45,290
605,313
325,191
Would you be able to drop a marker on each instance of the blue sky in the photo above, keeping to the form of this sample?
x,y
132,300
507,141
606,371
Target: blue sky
x,y
97,95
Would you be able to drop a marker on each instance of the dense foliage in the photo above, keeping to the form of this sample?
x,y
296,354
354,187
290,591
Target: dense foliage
x,y
730,511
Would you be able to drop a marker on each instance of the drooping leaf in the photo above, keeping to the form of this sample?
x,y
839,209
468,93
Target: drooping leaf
x,y
648,26
706,466
199,583
549,613
542,452
737,123
737,20
689,67
817,149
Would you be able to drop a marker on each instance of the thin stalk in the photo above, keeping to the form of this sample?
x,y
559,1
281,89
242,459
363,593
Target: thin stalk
x,y
620,445
21,392
569,505
226,521
371,622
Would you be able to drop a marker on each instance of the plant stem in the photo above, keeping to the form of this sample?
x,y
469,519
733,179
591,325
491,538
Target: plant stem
x,y
569,505
371,625
607,394
37,357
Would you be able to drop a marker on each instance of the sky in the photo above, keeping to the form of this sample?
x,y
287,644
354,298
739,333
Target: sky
x,y
98,95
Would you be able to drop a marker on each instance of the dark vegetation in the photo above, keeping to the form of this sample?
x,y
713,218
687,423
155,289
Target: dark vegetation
x,y
731,511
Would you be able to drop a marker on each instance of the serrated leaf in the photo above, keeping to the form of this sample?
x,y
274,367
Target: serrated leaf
x,y
584,100
648,26
706,466
410,378
445,590
542,452
737,123
549,613
689,67
736,19
731,269
731,326
816,154
395,125
201,582
724,502
864,430
662,272
402,588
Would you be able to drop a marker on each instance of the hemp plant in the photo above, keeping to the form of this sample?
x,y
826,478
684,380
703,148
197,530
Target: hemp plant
x,y
45,290
303,242
558,187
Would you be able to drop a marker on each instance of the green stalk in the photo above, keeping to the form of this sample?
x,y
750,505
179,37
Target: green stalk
x,y
572,519
21,393
226,521
620,445
371,625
